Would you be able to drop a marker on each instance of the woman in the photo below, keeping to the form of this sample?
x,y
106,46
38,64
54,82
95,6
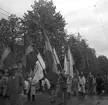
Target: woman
x,y
69,85
82,82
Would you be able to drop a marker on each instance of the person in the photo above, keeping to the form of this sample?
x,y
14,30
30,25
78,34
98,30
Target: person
x,y
33,87
82,82
98,84
15,86
47,84
53,93
63,87
69,85
2,98
94,86
90,82
29,88
26,86
75,84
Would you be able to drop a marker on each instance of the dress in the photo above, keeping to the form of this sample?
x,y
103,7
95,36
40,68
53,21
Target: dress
x,y
81,86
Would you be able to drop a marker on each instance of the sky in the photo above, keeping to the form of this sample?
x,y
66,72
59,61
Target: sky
x,y
89,17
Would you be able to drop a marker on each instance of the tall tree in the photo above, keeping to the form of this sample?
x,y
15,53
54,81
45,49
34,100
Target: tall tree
x,y
44,18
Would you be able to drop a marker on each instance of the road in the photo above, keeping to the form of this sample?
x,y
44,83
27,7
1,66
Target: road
x,y
43,99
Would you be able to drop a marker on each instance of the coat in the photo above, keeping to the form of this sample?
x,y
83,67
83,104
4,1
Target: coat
x,y
15,87
82,82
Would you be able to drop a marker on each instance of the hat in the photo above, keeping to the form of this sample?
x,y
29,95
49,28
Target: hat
x,y
2,71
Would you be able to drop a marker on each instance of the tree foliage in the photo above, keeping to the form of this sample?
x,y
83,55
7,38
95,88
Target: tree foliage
x,y
43,18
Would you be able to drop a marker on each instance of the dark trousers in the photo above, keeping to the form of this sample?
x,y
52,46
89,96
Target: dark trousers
x,y
29,95
33,97
64,96
2,100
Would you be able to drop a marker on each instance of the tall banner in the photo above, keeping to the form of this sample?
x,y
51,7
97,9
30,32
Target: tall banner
x,y
66,65
71,62
7,59
51,67
38,72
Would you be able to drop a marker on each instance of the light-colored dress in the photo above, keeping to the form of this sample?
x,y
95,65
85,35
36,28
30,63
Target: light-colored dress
x,y
33,87
82,82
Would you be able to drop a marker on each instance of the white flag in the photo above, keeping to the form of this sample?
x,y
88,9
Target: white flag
x,y
5,54
55,56
71,62
41,61
66,65
39,72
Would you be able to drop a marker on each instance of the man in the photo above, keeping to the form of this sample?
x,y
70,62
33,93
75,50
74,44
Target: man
x,y
63,87
90,82
98,84
69,86
15,87
2,99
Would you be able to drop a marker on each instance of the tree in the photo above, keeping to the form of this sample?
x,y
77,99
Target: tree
x,y
103,64
44,18
10,30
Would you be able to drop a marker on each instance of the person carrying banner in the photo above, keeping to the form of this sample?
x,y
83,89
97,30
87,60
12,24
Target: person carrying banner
x,y
63,87
15,87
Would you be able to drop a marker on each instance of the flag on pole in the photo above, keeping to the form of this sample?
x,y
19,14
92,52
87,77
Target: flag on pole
x,y
71,62
30,54
55,56
66,65
7,58
51,67
39,72
41,61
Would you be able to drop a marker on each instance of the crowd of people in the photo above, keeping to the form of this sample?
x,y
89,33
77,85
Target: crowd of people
x,y
13,86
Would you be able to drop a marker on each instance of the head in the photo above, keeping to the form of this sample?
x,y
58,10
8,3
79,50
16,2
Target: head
x,y
2,73
82,74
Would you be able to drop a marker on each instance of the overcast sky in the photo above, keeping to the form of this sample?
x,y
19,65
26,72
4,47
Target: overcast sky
x,y
81,15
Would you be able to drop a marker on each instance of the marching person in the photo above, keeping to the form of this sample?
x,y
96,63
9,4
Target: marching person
x,y
82,82
90,82
63,87
33,88
75,84
15,87
98,84
2,81
69,86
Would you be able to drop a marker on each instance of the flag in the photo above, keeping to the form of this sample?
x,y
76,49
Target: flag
x,y
41,61
66,65
71,62
7,58
38,72
51,67
30,54
55,56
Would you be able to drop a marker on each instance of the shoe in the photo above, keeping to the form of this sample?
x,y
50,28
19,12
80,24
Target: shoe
x,y
53,101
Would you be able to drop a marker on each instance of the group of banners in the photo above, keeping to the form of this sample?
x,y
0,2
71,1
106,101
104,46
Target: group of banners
x,y
33,59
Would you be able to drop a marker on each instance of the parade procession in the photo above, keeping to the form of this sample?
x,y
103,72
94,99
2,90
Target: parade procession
x,y
41,64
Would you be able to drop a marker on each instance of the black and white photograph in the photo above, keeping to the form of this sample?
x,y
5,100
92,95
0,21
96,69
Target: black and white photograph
x,y
53,52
